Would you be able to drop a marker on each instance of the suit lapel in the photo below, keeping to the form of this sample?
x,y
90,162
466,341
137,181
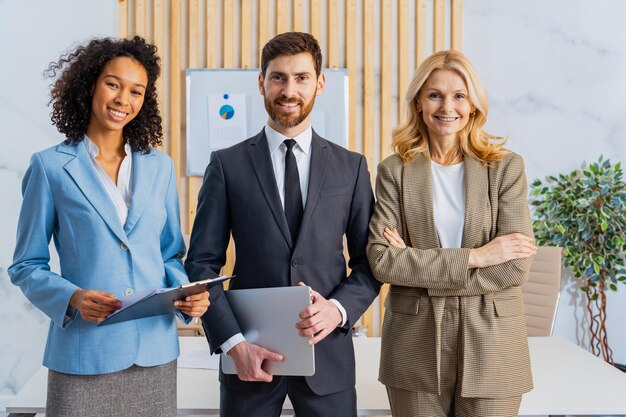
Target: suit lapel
x,y
476,194
144,172
418,203
319,161
262,164
82,171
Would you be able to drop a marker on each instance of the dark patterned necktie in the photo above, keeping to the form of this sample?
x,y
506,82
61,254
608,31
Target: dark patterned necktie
x,y
293,194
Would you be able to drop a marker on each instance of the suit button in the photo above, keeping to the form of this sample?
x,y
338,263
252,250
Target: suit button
x,y
294,263
128,291
123,246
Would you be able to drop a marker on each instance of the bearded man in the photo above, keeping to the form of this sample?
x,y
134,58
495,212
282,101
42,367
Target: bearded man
x,y
288,197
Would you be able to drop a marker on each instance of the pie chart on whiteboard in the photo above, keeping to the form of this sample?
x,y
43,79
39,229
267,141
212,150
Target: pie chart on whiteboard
x,y
227,112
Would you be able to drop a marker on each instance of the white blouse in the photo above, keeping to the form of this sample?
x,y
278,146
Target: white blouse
x,y
449,203
120,193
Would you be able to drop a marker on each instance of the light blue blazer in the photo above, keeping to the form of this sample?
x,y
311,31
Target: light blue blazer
x,y
64,199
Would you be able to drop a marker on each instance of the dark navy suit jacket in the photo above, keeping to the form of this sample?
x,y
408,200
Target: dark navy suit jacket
x,y
239,196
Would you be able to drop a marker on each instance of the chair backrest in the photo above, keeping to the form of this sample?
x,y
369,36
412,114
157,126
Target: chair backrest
x,y
541,292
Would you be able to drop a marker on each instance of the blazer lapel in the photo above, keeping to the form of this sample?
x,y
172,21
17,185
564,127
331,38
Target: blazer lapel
x,y
319,161
476,196
262,164
143,177
418,204
82,171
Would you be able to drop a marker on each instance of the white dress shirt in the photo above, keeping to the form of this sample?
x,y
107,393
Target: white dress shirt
x,y
119,193
278,151
449,203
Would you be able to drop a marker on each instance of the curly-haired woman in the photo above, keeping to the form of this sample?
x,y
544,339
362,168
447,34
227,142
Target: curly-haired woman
x,y
451,233
110,202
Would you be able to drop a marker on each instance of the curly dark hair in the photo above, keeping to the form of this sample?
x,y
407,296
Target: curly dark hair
x,y
71,93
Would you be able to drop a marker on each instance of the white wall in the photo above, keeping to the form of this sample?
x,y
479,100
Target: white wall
x,y
32,33
556,74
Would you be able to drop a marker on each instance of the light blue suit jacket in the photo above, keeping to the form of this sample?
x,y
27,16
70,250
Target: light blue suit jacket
x,y
64,199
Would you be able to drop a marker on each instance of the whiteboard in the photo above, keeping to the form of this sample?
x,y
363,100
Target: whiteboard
x,y
224,107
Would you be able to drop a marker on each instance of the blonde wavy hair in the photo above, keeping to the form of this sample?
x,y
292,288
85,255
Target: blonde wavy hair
x,y
410,138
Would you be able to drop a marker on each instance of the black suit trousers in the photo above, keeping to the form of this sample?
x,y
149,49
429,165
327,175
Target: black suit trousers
x,y
306,403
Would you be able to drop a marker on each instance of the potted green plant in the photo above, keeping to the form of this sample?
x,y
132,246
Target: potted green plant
x,y
584,212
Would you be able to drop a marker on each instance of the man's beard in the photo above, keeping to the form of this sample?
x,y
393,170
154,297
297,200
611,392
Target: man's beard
x,y
288,119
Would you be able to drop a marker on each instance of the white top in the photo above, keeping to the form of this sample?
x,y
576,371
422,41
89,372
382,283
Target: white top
x,y
302,152
119,193
278,151
449,203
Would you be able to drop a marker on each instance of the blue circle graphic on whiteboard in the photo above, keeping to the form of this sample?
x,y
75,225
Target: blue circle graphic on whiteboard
x,y
227,112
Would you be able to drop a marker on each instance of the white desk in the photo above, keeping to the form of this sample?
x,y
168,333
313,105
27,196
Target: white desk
x,y
568,380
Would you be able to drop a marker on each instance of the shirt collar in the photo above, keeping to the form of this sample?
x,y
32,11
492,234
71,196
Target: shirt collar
x,y
93,149
275,139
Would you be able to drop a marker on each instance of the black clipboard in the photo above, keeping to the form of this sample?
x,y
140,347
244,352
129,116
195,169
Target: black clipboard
x,y
159,301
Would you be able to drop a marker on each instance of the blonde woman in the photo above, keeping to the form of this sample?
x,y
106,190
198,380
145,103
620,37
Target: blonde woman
x,y
451,233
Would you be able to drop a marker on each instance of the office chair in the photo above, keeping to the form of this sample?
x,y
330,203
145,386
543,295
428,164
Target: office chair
x,y
542,291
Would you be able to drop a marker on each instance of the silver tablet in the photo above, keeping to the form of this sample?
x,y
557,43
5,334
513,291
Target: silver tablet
x,y
268,317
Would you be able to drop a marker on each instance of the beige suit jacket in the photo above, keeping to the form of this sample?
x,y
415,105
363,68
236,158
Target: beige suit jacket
x,y
494,345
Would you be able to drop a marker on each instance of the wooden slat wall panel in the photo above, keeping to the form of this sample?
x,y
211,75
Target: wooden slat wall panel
x,y
439,23
158,37
140,18
246,34
175,83
420,31
351,51
386,78
369,12
193,42
234,35
299,16
456,25
193,188
351,63
228,33
212,52
333,34
316,18
264,26
122,18
283,17
211,24
193,54
228,45
404,52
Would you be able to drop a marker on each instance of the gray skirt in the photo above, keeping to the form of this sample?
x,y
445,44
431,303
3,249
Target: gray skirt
x,y
136,391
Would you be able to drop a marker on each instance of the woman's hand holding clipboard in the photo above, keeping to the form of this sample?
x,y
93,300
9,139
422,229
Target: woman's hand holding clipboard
x,y
159,301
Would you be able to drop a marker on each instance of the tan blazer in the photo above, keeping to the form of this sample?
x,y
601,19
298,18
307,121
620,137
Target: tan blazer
x,y
494,344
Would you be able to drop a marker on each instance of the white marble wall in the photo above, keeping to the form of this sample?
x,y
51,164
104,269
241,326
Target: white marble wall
x,y
32,33
556,74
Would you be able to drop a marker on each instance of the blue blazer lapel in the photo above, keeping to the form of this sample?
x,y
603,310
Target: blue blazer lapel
x,y
319,161
144,175
262,164
82,171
